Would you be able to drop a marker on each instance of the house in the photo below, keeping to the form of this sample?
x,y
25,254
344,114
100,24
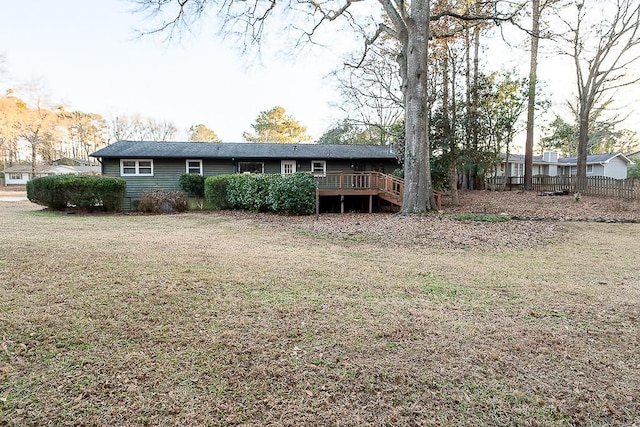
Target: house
x,y
612,165
147,165
21,174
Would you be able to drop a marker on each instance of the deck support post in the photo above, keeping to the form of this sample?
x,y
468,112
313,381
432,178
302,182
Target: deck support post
x,y
370,203
341,204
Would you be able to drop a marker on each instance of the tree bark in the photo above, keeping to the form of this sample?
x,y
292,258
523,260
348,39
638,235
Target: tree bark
x,y
531,106
418,194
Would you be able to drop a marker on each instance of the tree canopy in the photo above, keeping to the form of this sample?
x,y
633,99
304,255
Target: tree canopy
x,y
275,125
201,133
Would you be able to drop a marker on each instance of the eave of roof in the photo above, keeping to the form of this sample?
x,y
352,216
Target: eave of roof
x,y
187,150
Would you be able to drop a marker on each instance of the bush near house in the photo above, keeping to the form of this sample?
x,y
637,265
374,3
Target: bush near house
x,y
192,183
83,192
158,201
291,194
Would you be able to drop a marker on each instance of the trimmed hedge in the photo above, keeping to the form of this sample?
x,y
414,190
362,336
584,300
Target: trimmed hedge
x,y
84,192
291,194
192,183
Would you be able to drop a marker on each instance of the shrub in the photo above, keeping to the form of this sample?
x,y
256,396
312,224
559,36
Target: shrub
x,y
215,191
192,183
258,189
84,192
237,192
158,201
293,194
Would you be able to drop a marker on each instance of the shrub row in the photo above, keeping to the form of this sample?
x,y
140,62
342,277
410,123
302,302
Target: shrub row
x,y
291,194
83,192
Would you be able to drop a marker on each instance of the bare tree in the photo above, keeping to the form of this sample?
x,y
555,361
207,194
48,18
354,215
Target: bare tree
x,y
138,128
371,93
603,40
407,22
38,124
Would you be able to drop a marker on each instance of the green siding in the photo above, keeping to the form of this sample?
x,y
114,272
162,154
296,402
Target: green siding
x,y
166,172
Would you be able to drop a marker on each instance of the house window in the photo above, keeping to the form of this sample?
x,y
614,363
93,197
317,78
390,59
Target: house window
x,y
250,167
287,167
15,176
194,167
589,168
136,167
319,167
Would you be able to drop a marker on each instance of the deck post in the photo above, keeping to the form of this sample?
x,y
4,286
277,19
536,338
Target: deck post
x,y
370,203
341,204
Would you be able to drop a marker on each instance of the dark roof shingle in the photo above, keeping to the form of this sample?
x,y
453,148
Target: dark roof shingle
x,y
206,150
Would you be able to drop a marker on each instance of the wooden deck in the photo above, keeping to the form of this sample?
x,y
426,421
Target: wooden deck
x,y
386,187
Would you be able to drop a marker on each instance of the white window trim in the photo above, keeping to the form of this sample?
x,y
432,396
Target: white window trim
x,y
293,163
137,166
590,167
324,168
186,165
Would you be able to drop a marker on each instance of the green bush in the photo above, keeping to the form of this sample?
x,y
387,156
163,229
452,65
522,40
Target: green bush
x,y
215,191
238,192
158,201
634,171
83,192
192,183
293,194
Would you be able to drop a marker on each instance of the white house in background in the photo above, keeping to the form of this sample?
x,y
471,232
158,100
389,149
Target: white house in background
x,y
21,174
612,165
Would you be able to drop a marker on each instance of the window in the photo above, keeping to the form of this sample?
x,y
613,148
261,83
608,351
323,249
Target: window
x,y
250,167
288,167
194,166
319,167
15,176
136,167
589,168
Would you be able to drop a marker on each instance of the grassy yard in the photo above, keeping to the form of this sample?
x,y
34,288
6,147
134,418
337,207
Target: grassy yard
x,y
200,319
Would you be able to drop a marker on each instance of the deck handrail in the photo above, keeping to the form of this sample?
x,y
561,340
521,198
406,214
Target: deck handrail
x,y
378,181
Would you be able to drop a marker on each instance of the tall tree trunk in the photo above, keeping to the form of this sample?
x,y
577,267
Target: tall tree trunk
x,y
468,126
418,194
475,99
531,106
583,142
448,130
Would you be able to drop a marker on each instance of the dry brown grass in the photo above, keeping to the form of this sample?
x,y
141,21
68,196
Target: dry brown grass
x,y
202,319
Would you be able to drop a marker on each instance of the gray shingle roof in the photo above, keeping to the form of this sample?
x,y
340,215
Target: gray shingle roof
x,y
204,150
592,159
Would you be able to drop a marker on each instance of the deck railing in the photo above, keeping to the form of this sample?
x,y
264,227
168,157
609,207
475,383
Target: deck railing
x,y
384,184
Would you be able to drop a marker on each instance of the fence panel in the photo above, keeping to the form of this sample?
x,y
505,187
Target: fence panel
x,y
600,186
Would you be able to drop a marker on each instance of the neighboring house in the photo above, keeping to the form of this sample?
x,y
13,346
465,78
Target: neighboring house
x,y
21,174
149,165
610,165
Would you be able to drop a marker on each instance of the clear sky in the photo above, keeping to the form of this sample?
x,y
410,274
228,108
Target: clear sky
x,y
90,59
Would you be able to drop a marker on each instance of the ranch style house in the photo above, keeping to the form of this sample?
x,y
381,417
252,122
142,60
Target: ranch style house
x,y
350,177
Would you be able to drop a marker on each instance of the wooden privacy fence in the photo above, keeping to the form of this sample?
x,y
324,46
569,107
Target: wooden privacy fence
x,y
600,186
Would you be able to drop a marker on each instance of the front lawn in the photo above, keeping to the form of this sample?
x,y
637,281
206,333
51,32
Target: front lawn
x,y
208,319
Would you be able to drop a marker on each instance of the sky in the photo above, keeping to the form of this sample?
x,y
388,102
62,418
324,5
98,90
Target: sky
x,y
89,57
